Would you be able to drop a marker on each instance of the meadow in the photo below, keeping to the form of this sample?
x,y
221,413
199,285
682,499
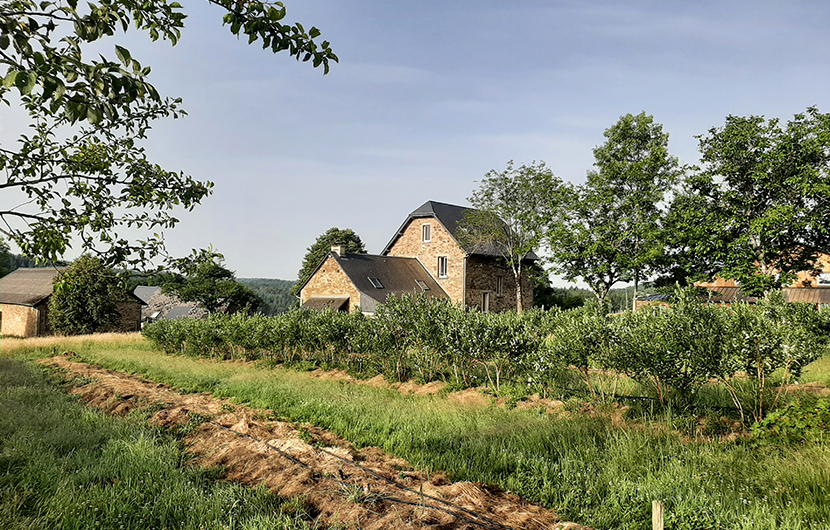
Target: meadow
x,y
66,466
583,461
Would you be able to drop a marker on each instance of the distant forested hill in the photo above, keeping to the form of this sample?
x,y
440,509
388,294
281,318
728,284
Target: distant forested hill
x,y
275,293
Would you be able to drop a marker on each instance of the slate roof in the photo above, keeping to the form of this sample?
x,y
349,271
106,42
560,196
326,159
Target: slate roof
x,y
144,292
449,215
27,287
396,274
180,311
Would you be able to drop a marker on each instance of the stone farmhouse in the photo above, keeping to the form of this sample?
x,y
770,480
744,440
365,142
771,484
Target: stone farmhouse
x,y
24,304
424,256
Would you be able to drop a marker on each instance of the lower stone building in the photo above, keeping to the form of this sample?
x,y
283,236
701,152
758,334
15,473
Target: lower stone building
x,y
24,304
359,282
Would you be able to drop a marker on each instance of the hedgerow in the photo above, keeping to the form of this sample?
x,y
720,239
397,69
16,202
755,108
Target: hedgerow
x,y
672,352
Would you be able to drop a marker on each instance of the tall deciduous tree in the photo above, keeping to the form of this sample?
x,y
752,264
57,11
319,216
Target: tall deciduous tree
x,y
346,238
86,298
611,231
208,283
80,171
757,210
509,215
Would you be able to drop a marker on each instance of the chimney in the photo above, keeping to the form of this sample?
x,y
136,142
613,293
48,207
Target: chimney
x,y
340,250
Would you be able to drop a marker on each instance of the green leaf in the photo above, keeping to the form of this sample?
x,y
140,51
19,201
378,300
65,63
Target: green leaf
x,y
11,78
25,82
123,55
4,41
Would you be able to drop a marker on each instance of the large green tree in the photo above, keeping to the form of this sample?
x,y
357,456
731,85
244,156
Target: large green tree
x,y
80,170
757,209
611,230
321,248
208,283
509,214
86,298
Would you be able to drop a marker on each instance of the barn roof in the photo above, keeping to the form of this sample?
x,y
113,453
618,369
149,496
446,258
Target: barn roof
x,y
730,295
27,287
820,296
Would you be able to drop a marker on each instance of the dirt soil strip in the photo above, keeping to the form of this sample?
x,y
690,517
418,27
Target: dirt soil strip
x,y
254,450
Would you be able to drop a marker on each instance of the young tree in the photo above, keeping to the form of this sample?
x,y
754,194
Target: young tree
x,y
757,210
86,298
509,215
5,258
213,287
80,171
611,231
321,248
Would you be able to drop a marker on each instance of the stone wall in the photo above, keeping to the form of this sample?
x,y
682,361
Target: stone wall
x,y
483,273
330,280
130,318
18,320
410,245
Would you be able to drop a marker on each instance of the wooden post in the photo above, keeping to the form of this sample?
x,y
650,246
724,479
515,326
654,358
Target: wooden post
x,y
656,515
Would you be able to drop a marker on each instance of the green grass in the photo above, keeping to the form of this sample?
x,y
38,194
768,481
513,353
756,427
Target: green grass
x,y
818,371
585,468
63,465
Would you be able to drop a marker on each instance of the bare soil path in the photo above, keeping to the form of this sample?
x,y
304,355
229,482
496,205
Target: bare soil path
x,y
342,486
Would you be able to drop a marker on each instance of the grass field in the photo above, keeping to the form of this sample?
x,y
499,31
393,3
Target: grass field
x,y
65,466
584,466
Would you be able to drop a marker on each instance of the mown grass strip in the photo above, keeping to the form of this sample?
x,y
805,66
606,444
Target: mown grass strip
x,y
583,467
66,466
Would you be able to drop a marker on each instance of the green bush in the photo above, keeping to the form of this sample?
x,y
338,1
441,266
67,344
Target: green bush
x,y
801,421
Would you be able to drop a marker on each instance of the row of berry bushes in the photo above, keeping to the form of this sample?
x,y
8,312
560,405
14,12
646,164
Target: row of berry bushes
x,y
672,351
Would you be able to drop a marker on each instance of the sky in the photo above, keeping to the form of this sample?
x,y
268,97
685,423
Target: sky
x,y
429,96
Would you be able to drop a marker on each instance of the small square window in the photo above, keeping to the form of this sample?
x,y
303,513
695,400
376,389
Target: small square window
x,y
442,266
426,233
376,283
423,285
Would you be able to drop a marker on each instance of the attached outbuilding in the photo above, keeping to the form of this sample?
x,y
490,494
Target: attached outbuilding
x,y
352,282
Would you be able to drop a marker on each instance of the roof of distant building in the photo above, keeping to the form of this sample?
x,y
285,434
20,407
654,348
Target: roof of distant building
x,y
28,287
145,292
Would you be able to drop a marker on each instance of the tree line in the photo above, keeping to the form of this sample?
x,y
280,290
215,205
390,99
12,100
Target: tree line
x,y
753,209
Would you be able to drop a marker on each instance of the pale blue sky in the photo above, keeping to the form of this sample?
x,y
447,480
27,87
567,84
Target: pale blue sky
x,y
428,96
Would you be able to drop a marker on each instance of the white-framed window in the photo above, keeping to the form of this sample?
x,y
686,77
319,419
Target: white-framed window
x,y
375,282
499,285
485,302
423,285
426,232
442,266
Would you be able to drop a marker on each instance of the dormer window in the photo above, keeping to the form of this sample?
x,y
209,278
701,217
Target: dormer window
x,y
426,233
423,285
376,283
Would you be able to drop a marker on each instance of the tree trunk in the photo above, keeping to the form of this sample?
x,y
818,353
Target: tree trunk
x,y
636,284
519,304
